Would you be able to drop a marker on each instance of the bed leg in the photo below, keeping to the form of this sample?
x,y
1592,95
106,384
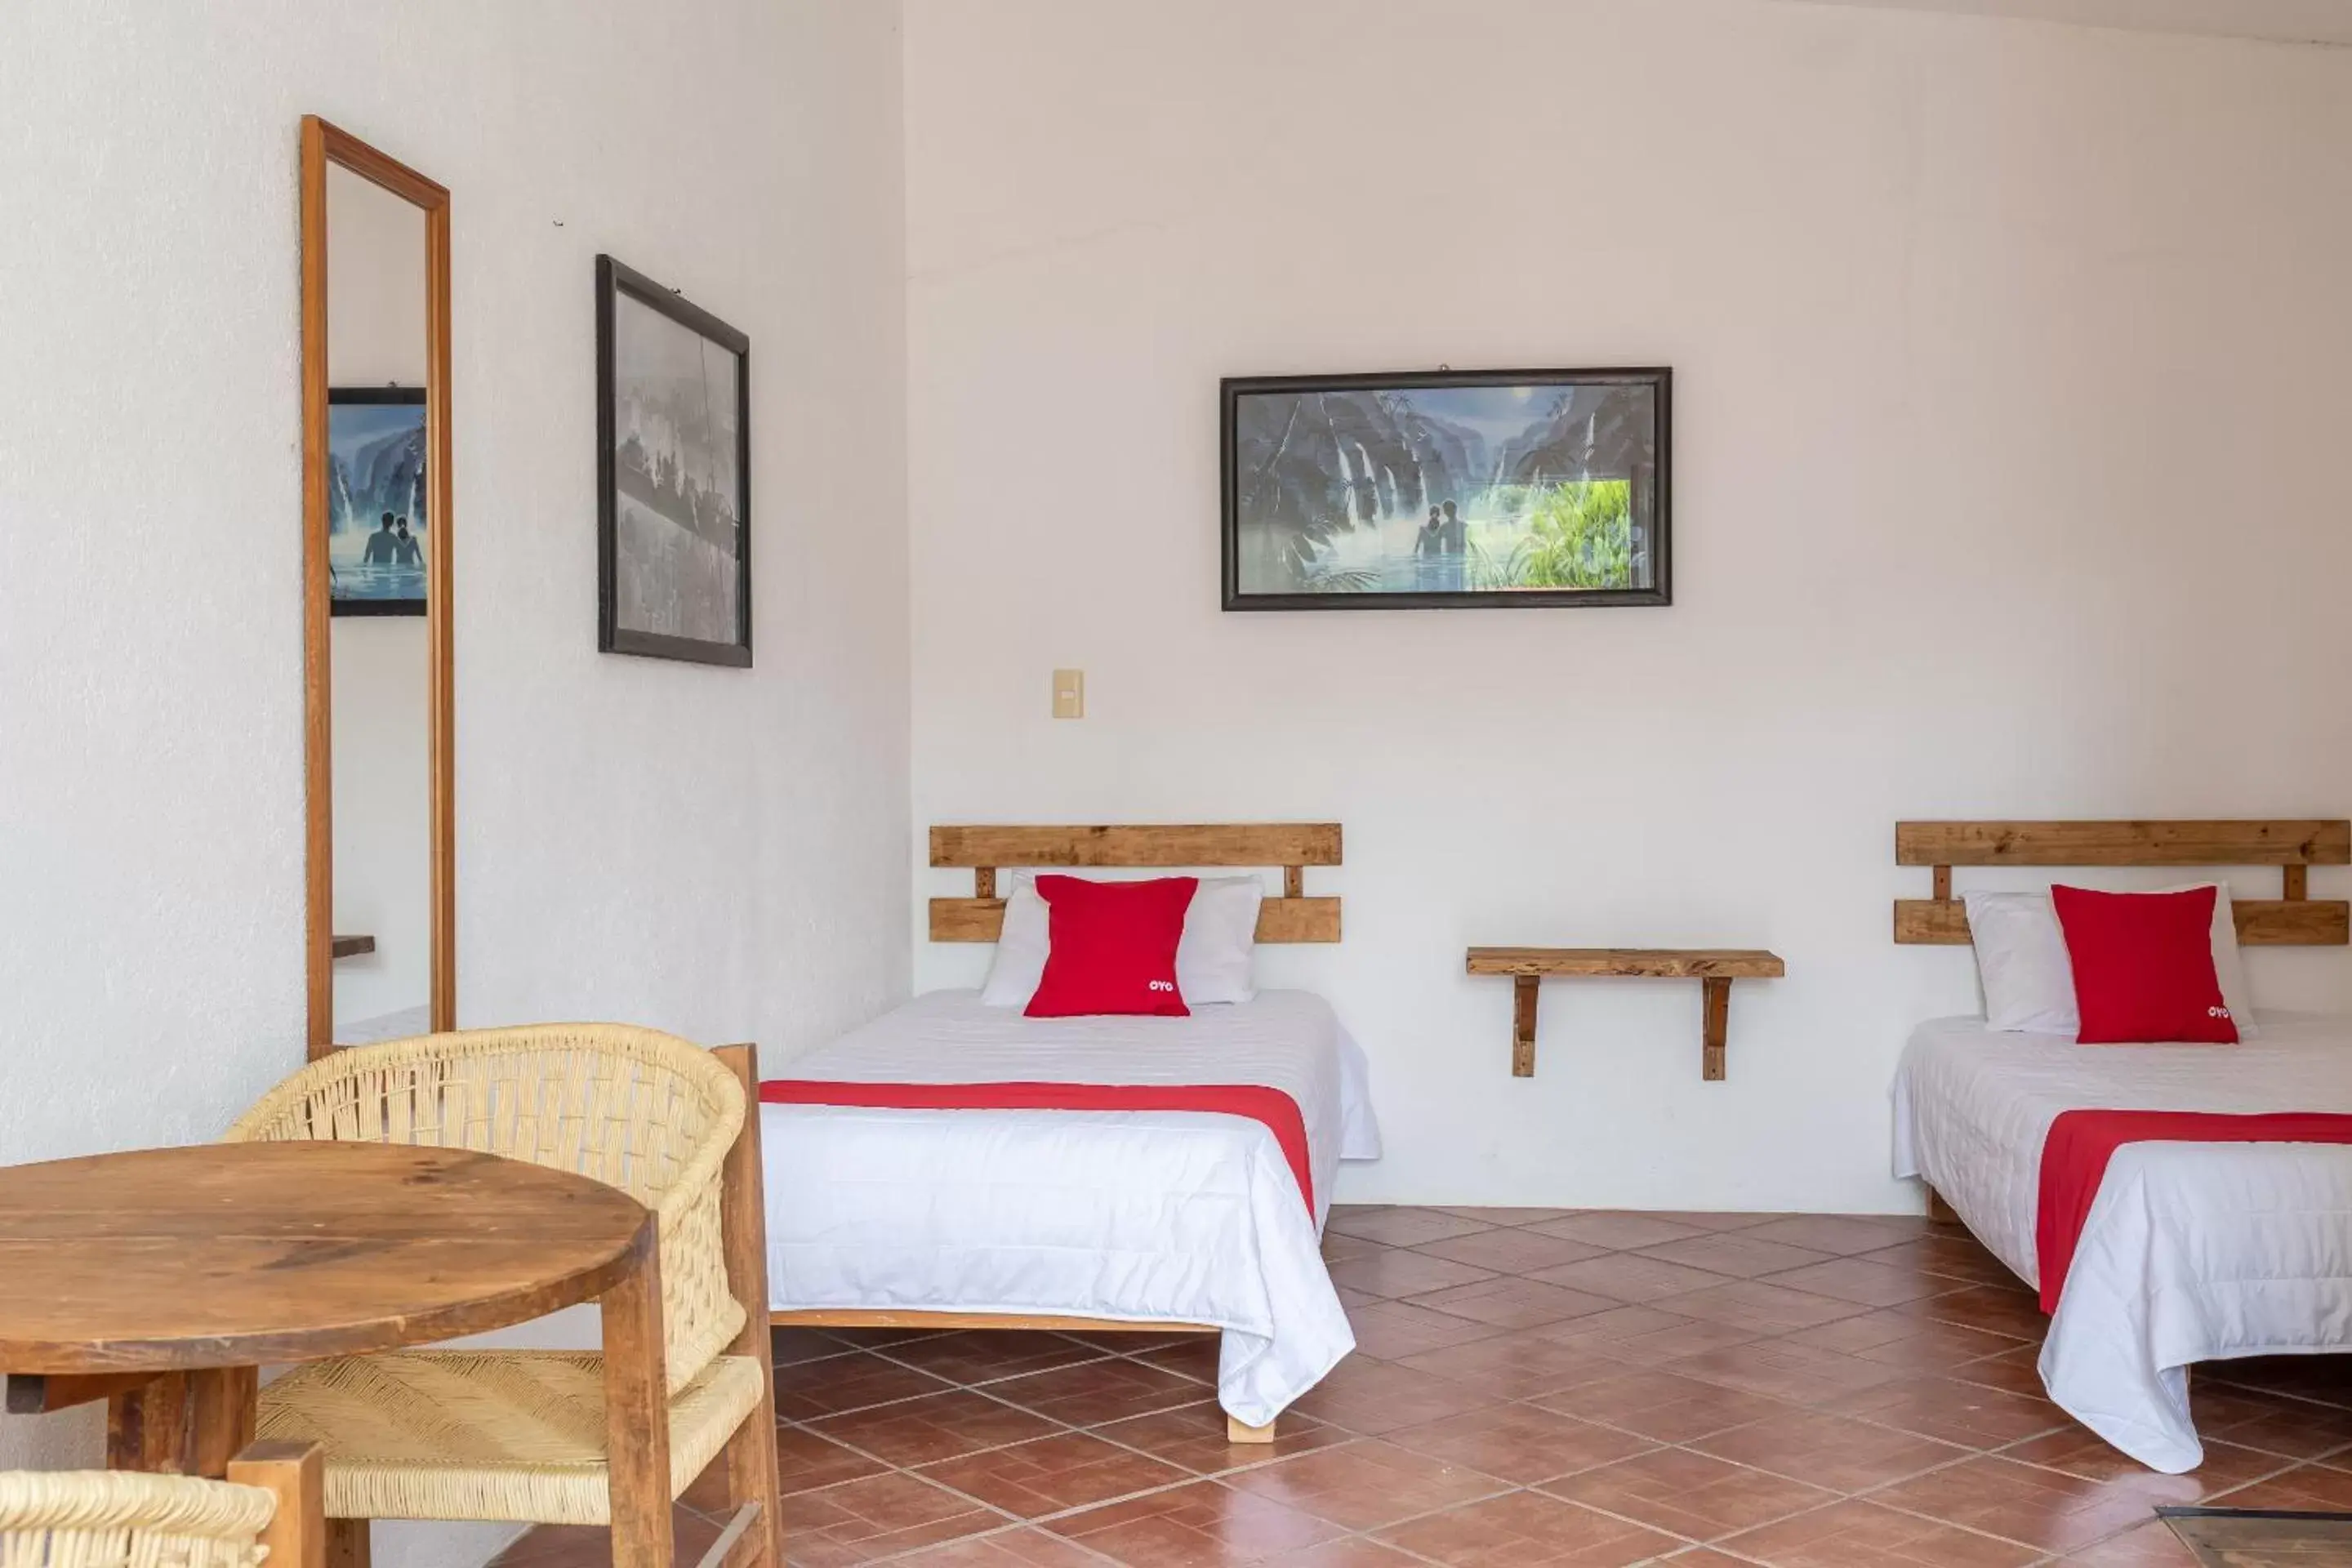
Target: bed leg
x,y
1237,1432
1938,1211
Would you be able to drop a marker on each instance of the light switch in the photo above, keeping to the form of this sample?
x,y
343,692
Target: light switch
x,y
1069,694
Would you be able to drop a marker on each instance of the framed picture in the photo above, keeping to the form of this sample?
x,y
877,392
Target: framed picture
x,y
1451,488
673,475
377,533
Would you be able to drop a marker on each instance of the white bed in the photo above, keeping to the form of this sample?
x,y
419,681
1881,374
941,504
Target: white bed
x,y
1140,1216
2192,1251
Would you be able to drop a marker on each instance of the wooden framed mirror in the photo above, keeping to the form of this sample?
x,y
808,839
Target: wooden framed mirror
x,y
380,896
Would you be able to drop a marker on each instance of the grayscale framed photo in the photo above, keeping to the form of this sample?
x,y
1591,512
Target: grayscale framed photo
x,y
673,475
377,541
1447,490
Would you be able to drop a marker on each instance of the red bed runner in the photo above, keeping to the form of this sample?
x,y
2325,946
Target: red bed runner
x,y
1270,1107
2074,1162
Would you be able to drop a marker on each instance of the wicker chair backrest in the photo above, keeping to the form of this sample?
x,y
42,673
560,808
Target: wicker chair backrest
x,y
644,1111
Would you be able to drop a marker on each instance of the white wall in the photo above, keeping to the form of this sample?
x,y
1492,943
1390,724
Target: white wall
x,y
2011,412
721,853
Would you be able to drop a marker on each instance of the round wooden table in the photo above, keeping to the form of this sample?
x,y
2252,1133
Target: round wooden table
x,y
163,1278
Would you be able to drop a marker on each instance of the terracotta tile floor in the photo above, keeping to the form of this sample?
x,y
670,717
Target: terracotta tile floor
x,y
1533,1386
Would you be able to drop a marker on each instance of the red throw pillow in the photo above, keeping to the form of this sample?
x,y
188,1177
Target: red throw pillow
x,y
2144,966
1111,947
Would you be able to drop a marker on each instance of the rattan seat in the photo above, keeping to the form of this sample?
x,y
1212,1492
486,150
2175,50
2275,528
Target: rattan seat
x,y
488,1435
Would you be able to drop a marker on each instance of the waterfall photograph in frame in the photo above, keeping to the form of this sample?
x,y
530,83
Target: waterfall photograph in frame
x,y
1447,490
673,475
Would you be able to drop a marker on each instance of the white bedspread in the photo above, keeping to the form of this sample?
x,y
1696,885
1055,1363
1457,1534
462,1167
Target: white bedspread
x,y
2192,1251
1146,1216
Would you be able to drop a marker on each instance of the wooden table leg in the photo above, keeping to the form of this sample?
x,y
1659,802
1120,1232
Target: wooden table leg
x,y
143,1424
223,1408
183,1423
637,1412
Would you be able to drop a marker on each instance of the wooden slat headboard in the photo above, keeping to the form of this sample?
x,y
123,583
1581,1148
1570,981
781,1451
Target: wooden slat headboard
x,y
1293,846
2296,920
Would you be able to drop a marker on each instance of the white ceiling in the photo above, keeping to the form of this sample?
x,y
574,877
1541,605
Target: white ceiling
x,y
2288,21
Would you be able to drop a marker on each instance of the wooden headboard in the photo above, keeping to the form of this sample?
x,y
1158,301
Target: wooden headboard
x,y
2296,920
1293,846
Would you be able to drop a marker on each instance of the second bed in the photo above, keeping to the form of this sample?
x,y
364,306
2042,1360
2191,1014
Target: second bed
x,y
2190,1249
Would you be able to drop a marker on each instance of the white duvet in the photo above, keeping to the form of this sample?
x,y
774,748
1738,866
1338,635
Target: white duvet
x,y
1146,1216
2192,1251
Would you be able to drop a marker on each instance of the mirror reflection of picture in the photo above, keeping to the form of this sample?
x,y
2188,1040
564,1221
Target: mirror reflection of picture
x,y
377,528
1446,489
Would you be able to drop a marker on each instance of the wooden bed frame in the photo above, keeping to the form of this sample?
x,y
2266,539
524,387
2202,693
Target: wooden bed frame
x,y
2295,920
984,851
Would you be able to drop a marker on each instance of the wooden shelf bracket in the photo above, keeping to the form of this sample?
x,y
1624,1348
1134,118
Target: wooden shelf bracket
x,y
1523,1025
1714,968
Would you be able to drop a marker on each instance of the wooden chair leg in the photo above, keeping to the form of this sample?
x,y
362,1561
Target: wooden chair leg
x,y
350,1542
297,1472
751,1455
1238,1431
754,1480
637,1412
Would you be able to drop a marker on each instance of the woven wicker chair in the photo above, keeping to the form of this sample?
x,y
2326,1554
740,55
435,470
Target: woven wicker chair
x,y
522,1436
125,1519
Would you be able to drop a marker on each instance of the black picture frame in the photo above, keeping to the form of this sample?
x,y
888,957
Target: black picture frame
x,y
1648,495
339,604
615,281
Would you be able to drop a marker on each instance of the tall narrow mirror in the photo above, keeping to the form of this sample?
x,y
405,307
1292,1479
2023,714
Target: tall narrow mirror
x,y
376,563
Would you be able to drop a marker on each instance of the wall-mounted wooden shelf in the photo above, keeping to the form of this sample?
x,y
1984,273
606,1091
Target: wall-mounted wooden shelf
x,y
1716,968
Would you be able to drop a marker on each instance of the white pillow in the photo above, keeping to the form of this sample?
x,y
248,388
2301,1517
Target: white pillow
x,y
2022,964
1020,960
2029,981
1213,958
